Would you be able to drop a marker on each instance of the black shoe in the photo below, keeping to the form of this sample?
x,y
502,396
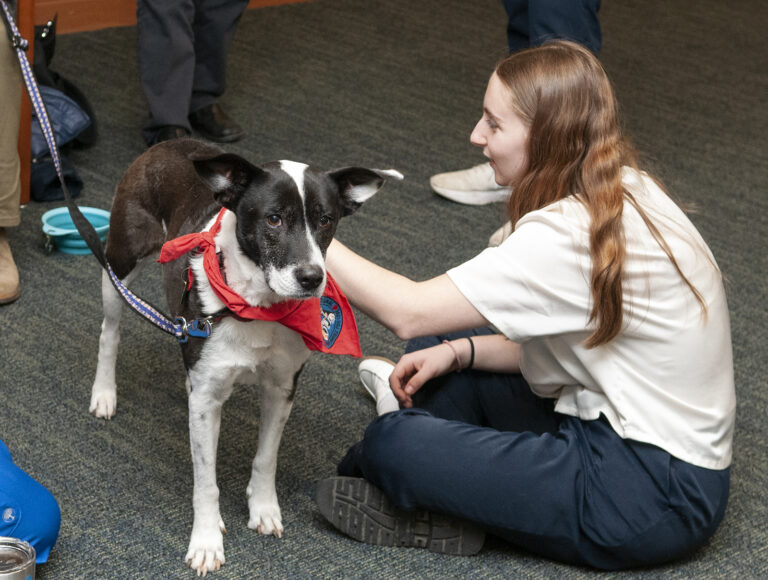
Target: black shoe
x,y
166,133
215,125
360,510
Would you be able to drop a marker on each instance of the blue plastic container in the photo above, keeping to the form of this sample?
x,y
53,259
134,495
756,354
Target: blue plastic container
x,y
59,228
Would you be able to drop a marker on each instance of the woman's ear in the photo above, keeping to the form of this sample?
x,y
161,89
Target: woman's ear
x,y
358,184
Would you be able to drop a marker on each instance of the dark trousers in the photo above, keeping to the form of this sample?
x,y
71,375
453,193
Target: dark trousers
x,y
183,46
532,22
482,447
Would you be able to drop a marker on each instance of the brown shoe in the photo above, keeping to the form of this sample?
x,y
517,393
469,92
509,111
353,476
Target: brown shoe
x,y
9,275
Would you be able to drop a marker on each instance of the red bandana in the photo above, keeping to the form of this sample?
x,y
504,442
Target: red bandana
x,y
326,324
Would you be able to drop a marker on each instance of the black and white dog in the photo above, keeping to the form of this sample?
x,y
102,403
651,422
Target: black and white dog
x,y
270,247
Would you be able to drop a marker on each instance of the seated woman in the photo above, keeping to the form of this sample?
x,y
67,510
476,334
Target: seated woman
x,y
28,511
594,426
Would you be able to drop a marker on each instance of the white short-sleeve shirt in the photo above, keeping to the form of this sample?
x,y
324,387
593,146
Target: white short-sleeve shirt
x,y
667,378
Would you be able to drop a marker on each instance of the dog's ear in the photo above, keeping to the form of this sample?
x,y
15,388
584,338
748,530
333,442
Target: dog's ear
x,y
228,176
358,184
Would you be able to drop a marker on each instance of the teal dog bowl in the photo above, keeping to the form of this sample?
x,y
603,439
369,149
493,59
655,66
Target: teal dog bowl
x,y
61,232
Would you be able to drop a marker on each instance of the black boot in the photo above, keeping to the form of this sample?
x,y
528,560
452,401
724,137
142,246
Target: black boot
x,y
215,125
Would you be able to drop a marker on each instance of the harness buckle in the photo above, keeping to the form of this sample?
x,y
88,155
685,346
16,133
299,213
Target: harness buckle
x,y
199,328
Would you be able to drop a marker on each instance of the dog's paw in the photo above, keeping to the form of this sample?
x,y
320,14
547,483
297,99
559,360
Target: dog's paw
x,y
265,517
206,551
103,402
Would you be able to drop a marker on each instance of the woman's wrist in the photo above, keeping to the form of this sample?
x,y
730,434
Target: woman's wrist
x,y
463,351
455,352
471,362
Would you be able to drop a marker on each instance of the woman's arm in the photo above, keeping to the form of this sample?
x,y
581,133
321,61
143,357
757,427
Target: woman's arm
x,y
405,307
493,353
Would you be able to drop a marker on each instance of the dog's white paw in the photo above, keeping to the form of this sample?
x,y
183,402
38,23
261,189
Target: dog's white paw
x,y
206,550
265,517
103,402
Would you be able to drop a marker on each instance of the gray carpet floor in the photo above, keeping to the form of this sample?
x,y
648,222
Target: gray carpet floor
x,y
385,84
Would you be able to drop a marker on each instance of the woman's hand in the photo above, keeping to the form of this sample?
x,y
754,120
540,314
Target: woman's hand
x,y
416,368
492,353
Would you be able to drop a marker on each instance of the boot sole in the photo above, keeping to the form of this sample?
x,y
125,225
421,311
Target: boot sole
x,y
359,509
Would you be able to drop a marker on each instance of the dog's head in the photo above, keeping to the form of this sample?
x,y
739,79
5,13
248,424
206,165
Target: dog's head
x,y
287,214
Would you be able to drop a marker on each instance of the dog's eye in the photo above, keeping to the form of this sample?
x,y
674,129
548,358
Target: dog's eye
x,y
325,221
274,220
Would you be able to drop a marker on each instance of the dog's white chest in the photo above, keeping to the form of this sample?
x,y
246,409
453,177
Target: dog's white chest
x,y
257,349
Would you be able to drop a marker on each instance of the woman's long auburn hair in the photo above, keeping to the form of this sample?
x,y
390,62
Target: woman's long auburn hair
x,y
576,147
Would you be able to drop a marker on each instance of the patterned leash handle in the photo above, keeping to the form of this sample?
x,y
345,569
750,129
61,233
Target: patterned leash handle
x,y
178,327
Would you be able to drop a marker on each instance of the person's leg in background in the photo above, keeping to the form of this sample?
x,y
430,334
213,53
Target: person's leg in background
x,y
214,28
529,23
10,185
574,20
28,511
518,36
166,54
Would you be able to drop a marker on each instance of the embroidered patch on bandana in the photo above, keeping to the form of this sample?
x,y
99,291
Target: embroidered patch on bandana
x,y
331,320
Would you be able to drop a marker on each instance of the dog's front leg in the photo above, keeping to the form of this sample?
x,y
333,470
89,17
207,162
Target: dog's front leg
x,y
206,545
104,390
276,403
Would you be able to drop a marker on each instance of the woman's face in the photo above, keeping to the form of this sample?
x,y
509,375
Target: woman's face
x,y
501,134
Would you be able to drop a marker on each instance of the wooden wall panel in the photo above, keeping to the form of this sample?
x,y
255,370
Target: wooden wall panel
x,y
82,15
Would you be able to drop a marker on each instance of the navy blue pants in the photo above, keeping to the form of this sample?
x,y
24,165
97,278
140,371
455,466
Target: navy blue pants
x,y
483,447
183,47
28,511
532,22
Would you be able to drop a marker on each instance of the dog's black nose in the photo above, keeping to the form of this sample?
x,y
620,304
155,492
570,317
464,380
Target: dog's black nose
x,y
310,277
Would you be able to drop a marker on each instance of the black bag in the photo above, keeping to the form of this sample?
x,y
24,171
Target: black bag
x,y
68,121
44,182
72,121
45,46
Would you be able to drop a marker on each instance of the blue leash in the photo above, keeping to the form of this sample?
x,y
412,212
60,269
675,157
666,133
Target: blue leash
x,y
178,327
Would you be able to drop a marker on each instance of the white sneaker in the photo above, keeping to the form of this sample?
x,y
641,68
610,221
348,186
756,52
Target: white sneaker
x,y
374,373
473,186
500,235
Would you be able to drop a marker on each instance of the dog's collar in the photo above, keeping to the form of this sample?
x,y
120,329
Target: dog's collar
x,y
326,324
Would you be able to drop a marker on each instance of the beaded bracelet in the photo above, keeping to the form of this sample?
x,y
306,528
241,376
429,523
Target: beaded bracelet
x,y
455,354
